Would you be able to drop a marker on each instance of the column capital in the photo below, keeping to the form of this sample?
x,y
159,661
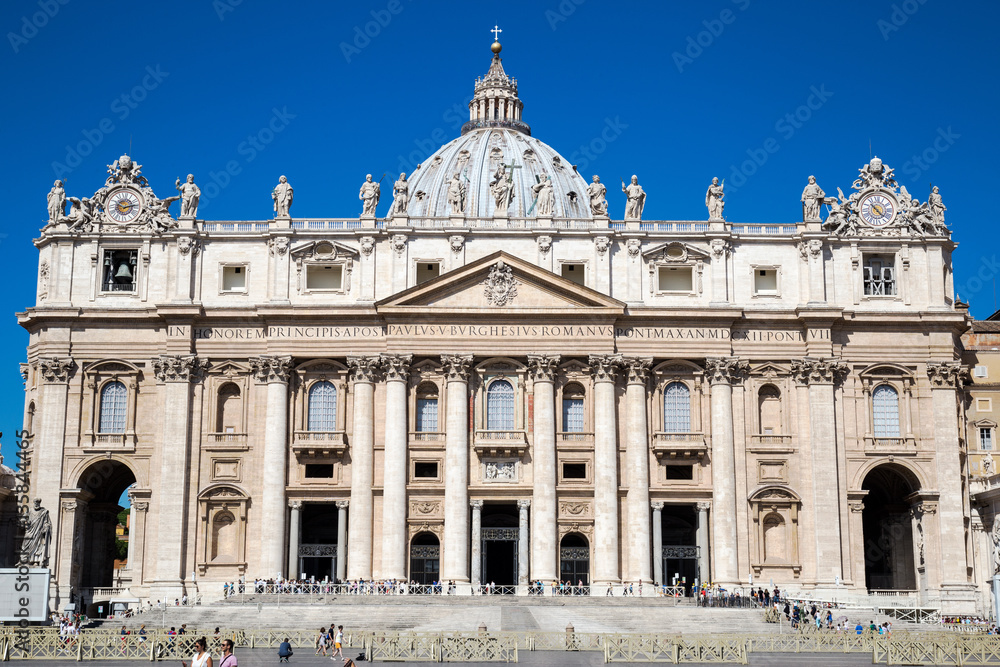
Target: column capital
x,y
476,504
364,369
177,367
725,370
396,367
656,505
543,367
56,369
947,374
703,507
269,368
456,366
140,506
604,367
295,504
523,504
812,370
637,369
343,504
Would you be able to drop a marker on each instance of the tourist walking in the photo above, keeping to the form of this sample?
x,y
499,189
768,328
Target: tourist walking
x,y
228,659
338,643
201,657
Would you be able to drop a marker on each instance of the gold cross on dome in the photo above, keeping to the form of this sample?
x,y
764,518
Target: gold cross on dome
x,y
496,33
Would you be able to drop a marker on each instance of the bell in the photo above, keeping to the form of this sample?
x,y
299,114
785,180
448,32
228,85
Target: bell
x,y
123,274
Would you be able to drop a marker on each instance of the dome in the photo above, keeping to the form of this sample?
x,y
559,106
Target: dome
x,y
496,145
476,157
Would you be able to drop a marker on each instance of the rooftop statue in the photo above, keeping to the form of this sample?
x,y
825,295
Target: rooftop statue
x,y
400,196
545,198
812,198
502,189
56,200
282,196
456,195
370,194
713,200
597,192
190,194
635,199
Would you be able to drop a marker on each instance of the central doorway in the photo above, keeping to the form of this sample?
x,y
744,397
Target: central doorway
x,y
318,544
680,555
574,560
425,559
499,544
888,529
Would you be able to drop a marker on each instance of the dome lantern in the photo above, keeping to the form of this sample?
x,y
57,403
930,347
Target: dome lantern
x,y
495,102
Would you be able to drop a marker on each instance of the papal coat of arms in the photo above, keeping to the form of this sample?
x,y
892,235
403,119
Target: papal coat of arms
x,y
501,287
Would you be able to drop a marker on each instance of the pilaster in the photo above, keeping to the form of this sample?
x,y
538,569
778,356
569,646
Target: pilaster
x,y
604,369
455,561
544,537
394,533
637,469
365,372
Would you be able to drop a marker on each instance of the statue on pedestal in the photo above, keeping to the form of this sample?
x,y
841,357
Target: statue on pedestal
x,y
37,536
57,202
812,199
636,199
597,191
713,200
937,206
369,194
190,194
456,195
501,187
282,196
400,196
545,198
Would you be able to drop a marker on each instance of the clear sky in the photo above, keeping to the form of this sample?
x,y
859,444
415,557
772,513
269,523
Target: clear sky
x,y
675,92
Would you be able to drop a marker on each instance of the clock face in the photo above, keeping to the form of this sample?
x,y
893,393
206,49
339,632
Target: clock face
x,y
878,210
123,206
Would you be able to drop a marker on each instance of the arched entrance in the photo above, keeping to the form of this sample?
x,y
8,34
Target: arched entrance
x,y
425,558
99,562
888,529
574,560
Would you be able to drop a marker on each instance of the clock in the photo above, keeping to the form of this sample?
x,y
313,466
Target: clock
x,y
878,209
123,205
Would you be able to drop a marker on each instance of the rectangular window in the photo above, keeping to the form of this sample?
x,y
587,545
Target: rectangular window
x,y
574,471
425,469
680,472
319,470
984,405
986,437
981,372
234,278
119,271
324,277
427,415
427,271
574,272
675,279
879,275
765,282
573,415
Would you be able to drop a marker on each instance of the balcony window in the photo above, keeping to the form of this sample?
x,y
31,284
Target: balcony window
x,y
986,438
885,411
119,271
677,408
114,408
500,406
572,417
323,407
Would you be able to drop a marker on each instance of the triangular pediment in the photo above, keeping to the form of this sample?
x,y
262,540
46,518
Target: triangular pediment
x,y
501,282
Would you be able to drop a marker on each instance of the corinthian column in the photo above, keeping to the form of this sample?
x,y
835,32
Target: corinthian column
x,y
294,538
397,370
637,469
658,543
364,374
946,380
174,374
723,372
544,547
604,369
48,443
522,544
477,543
274,372
820,375
342,506
455,561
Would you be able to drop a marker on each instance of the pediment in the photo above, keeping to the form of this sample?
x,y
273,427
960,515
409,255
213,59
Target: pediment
x,y
675,252
769,370
501,282
323,250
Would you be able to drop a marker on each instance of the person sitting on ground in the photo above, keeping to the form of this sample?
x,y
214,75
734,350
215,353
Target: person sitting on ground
x,y
201,657
284,650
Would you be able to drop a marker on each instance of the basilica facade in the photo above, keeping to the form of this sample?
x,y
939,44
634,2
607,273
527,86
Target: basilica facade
x,y
501,382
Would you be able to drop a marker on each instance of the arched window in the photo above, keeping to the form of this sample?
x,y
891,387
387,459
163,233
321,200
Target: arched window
x,y
229,413
769,409
323,407
885,411
500,406
427,408
572,414
224,537
676,408
775,539
114,408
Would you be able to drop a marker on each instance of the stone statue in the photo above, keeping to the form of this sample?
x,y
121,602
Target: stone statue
x,y
636,199
937,206
282,196
501,187
713,200
81,213
456,195
37,536
996,544
545,198
812,198
57,202
597,192
190,194
838,218
370,193
400,196
989,465
160,220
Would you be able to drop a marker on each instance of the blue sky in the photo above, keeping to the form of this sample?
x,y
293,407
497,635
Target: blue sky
x,y
676,92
